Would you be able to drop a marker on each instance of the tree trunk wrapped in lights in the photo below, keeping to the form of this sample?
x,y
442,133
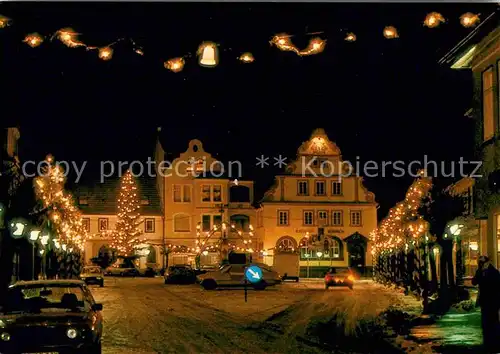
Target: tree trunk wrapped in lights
x,y
127,234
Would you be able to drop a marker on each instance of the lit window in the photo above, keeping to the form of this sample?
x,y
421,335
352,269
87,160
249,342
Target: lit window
x,y
182,223
320,188
488,104
283,217
303,188
308,218
322,218
149,225
355,218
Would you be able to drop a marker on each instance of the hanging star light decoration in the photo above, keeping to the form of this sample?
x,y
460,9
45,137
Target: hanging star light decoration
x,y
433,20
33,40
175,65
69,37
4,21
105,53
247,58
284,43
469,19
316,46
350,37
390,32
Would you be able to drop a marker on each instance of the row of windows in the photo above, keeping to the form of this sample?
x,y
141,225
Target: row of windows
x,y
332,250
488,95
103,224
322,218
182,222
209,193
320,188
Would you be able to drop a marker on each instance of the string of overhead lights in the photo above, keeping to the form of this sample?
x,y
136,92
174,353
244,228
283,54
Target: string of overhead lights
x,y
208,54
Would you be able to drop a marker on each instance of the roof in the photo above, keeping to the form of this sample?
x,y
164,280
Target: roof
x,y
461,56
96,198
49,282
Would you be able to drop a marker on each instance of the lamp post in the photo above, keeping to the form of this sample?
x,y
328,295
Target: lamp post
x,y
34,234
44,240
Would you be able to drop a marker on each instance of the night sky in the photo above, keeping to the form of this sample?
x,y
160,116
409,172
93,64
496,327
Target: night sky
x,y
378,99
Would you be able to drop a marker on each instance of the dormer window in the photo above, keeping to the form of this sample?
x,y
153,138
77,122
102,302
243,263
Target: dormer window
x,y
145,202
83,201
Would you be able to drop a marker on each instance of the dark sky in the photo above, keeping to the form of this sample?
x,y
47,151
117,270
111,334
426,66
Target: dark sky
x,y
378,99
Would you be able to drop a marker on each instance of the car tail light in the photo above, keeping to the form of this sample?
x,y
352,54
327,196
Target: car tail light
x,y
350,277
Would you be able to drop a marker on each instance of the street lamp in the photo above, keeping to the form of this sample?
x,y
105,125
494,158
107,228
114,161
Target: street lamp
x,y
34,234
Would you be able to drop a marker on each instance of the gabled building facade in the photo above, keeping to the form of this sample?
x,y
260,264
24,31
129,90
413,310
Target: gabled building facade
x,y
98,203
201,193
480,53
319,210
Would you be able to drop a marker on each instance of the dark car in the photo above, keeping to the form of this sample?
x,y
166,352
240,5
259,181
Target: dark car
x,y
50,316
92,275
180,274
343,277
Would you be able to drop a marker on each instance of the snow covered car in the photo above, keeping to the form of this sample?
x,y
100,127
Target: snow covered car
x,y
339,278
123,270
92,275
233,275
50,316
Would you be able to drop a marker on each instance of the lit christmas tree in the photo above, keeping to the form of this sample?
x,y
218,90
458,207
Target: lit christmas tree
x,y
126,236
60,207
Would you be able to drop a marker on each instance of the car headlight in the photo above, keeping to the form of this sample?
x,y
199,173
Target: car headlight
x,y
2,324
71,333
5,336
99,278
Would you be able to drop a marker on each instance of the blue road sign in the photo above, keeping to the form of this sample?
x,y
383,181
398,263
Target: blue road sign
x,y
253,274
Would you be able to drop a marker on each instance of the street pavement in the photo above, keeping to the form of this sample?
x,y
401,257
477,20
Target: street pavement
x,y
143,315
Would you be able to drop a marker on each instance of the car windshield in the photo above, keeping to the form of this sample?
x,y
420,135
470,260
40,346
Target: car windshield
x,y
41,298
91,270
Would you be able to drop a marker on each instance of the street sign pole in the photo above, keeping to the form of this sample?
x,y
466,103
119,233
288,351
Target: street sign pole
x,y
246,290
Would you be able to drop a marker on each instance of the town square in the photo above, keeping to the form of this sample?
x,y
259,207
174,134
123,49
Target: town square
x,y
249,178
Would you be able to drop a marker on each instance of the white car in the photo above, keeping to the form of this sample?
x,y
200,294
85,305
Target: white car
x,y
233,275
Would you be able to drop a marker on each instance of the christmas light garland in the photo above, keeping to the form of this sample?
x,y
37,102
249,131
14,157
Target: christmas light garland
x,y
61,207
208,51
403,226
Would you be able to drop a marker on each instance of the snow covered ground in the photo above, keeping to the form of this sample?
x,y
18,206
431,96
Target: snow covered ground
x,y
143,315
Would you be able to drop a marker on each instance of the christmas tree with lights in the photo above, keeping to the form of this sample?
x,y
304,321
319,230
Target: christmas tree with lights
x,y
126,236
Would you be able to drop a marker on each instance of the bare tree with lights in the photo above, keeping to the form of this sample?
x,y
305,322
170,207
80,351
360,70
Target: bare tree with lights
x,y
127,234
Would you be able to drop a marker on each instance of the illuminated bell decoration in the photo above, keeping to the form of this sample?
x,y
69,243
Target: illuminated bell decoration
x,y
33,40
175,65
105,53
283,42
350,37
469,19
208,55
69,37
247,58
390,32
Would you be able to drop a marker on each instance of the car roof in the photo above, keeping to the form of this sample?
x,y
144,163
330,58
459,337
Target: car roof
x,y
49,282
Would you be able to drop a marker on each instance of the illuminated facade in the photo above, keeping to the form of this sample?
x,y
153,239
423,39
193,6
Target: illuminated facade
x,y
198,196
480,53
320,210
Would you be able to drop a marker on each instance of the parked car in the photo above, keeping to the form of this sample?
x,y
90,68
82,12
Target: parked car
x,y
233,275
123,270
50,316
92,275
180,274
339,278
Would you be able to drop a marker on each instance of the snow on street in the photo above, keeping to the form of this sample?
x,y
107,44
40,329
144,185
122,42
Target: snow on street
x,y
143,315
